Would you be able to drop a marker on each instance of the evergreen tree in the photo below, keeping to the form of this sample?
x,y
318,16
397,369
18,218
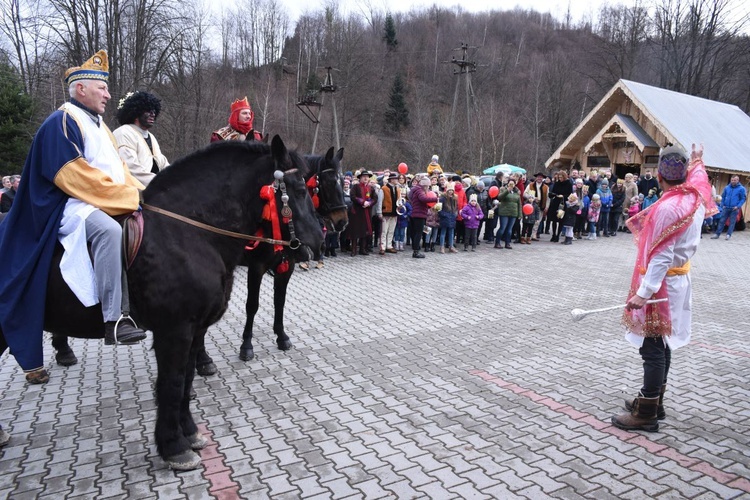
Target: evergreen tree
x,y
397,115
15,130
390,33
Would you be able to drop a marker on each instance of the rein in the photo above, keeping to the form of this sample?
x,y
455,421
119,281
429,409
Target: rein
x,y
217,230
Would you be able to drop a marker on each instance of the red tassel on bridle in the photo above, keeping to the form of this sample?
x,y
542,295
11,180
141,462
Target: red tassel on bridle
x,y
312,186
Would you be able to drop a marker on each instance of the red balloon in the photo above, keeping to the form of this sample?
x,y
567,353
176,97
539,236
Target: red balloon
x,y
528,209
402,168
494,191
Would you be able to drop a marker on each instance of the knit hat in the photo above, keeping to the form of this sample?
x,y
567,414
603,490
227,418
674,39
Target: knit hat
x,y
480,185
450,186
472,197
605,182
434,159
673,163
596,197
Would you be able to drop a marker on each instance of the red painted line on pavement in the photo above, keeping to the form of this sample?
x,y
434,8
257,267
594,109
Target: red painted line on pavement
x,y
694,464
721,349
218,474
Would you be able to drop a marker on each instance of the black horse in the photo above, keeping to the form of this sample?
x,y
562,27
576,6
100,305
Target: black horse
x,y
326,170
263,259
181,278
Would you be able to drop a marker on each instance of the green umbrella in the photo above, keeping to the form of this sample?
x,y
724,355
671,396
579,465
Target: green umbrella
x,y
506,168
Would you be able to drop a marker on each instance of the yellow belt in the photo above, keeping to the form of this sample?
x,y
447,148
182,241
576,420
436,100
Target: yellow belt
x,y
675,271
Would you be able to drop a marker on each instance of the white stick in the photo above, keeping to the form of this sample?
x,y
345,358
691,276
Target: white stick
x,y
579,314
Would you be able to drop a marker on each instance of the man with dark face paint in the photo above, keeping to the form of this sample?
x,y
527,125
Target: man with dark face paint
x,y
138,148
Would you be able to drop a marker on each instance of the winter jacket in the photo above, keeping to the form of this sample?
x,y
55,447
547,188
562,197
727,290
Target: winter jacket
x,y
733,197
594,209
403,220
448,212
472,215
510,203
419,199
648,201
571,210
533,216
605,196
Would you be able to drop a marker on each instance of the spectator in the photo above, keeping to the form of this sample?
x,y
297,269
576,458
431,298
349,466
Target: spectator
x,y
472,215
419,196
593,215
404,215
508,210
560,191
569,218
531,219
631,192
615,214
605,196
540,191
434,167
733,197
650,199
447,215
647,183
6,199
360,221
391,197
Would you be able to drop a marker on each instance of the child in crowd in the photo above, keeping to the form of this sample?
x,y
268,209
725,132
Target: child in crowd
x,y
447,216
530,220
650,199
605,196
593,216
569,218
581,221
635,206
399,235
472,216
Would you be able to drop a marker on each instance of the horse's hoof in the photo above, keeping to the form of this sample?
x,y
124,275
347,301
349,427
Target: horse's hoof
x,y
187,460
66,358
197,441
39,376
206,369
247,354
285,345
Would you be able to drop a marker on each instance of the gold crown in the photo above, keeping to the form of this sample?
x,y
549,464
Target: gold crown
x,y
240,104
95,68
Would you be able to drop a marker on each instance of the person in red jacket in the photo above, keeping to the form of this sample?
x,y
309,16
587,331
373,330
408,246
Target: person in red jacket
x,y
421,198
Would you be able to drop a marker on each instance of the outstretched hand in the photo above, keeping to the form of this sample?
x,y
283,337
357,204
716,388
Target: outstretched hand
x,y
696,153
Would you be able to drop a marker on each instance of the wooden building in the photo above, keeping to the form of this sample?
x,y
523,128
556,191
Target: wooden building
x,y
626,129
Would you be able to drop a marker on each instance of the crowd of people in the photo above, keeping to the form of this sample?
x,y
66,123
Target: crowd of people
x,y
434,212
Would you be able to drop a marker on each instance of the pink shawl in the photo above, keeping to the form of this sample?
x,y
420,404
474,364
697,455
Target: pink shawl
x,y
656,228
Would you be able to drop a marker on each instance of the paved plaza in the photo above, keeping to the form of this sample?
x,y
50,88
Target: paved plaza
x,y
453,376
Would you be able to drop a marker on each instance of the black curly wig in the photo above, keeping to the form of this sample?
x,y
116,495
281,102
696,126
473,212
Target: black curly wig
x,y
134,105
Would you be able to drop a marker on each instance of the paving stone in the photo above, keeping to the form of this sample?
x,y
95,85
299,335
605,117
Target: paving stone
x,y
378,410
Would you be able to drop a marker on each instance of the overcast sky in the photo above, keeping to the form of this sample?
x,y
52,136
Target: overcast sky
x,y
579,9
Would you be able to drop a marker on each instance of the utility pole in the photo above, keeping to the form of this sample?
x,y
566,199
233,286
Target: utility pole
x,y
309,101
464,67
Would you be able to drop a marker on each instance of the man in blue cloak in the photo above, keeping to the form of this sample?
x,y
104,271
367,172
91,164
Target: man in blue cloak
x,y
72,183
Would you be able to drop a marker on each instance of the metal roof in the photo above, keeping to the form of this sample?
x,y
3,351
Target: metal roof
x,y
724,129
632,125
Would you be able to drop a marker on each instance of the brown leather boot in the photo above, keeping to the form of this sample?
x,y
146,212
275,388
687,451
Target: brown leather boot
x,y
660,413
641,418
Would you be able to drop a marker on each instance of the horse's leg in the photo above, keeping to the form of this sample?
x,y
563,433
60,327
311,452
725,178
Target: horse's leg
x,y
64,355
280,283
173,354
189,429
254,277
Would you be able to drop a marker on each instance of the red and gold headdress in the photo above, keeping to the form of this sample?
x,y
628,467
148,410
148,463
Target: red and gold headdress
x,y
240,104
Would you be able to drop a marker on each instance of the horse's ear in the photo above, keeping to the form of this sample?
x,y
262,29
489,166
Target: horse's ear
x,y
329,154
279,151
339,154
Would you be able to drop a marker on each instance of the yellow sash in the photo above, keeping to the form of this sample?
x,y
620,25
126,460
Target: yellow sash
x,y
675,271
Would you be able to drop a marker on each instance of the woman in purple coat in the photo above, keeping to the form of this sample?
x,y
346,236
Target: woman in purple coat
x,y
420,197
472,215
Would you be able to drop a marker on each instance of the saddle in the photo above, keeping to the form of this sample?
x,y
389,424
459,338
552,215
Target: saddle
x,y
132,235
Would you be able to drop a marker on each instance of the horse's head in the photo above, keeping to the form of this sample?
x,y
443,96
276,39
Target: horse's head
x,y
330,192
303,217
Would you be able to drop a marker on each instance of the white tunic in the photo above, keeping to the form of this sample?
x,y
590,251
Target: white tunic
x,y
136,154
100,153
679,289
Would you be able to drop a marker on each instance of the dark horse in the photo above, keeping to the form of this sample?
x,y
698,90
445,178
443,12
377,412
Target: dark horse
x,y
263,259
181,279
332,210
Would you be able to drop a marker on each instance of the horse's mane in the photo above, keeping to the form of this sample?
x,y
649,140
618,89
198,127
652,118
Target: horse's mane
x,y
218,158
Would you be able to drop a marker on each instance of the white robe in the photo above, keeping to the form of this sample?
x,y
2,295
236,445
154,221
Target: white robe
x,y
679,288
99,152
136,154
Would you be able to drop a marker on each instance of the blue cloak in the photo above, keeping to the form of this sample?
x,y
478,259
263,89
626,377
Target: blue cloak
x,y
28,237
